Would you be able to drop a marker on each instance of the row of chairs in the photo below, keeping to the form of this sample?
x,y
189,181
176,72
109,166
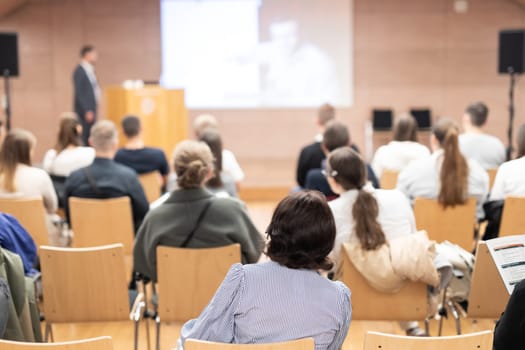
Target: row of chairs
x,y
373,341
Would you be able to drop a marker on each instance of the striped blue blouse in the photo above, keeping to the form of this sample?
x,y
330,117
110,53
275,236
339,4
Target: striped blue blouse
x,y
268,302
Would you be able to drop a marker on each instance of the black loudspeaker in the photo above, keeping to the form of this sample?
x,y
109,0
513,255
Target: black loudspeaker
x,y
9,54
511,51
382,119
422,117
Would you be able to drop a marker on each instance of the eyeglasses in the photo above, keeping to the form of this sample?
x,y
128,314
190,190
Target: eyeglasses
x,y
325,173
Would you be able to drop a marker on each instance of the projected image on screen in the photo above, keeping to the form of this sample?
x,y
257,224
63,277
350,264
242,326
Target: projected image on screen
x,y
257,53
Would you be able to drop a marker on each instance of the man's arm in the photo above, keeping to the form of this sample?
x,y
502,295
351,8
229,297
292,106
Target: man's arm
x,y
84,94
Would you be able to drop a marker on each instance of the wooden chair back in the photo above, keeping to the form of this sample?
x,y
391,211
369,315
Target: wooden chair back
x,y
488,296
472,341
388,179
512,218
188,278
97,222
31,214
84,284
454,224
492,176
300,344
368,304
101,343
151,184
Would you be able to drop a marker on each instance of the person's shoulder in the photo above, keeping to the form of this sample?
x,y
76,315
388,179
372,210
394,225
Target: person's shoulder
x,y
227,205
154,152
123,170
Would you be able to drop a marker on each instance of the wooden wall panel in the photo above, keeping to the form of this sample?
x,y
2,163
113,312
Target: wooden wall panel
x,y
406,53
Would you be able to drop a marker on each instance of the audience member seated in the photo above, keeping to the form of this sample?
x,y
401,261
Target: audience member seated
x,y
396,155
68,154
509,333
16,239
285,298
105,178
138,157
371,221
220,184
335,135
475,144
446,175
510,178
194,217
18,178
230,167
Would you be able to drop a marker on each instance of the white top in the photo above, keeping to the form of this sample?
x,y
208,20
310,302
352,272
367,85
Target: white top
x,y
67,161
230,166
396,155
510,180
395,215
421,179
487,150
33,182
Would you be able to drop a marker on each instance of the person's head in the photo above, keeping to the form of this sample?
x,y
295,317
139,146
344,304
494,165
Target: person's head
x,y
89,54
204,122
346,170
193,164
521,141
476,115
131,126
69,132
454,168
17,148
405,128
104,138
335,135
212,138
325,114
302,232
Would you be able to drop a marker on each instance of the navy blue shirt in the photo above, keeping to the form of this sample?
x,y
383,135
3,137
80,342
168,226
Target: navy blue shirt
x,y
143,160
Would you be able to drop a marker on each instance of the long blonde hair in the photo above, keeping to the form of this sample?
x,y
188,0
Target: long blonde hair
x,y
16,149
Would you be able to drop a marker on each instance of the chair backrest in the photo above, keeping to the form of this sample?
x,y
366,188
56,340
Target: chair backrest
x,y
84,284
473,341
151,184
98,222
188,278
409,304
300,344
454,224
101,343
488,295
388,180
31,214
492,176
512,218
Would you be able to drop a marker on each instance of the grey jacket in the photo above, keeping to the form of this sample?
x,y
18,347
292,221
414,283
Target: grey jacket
x,y
225,222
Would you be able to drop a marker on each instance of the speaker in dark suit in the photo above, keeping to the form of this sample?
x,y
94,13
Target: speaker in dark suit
x,y
86,90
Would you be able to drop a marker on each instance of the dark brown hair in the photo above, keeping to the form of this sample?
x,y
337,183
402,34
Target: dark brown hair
x,y
335,135
521,141
68,134
212,138
16,149
478,113
405,128
454,169
86,49
348,169
130,126
302,232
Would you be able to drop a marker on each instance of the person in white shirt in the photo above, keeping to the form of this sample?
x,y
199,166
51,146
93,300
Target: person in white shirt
x,y
475,144
68,154
402,150
446,175
230,167
510,178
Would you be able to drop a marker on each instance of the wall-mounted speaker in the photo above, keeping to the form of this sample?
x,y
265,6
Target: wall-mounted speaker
x,y
382,119
511,51
423,118
9,54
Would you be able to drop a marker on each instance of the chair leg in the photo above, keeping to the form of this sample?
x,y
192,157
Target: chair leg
x,y
455,314
157,321
427,326
49,333
146,316
136,343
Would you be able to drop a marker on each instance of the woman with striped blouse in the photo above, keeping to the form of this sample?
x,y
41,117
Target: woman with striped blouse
x,y
285,298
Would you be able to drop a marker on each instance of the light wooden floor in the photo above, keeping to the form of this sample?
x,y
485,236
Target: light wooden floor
x,y
122,333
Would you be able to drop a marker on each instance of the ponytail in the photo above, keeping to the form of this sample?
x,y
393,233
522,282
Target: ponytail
x,y
454,170
366,228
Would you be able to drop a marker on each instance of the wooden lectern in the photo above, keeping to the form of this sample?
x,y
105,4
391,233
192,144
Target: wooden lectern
x,y
162,112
